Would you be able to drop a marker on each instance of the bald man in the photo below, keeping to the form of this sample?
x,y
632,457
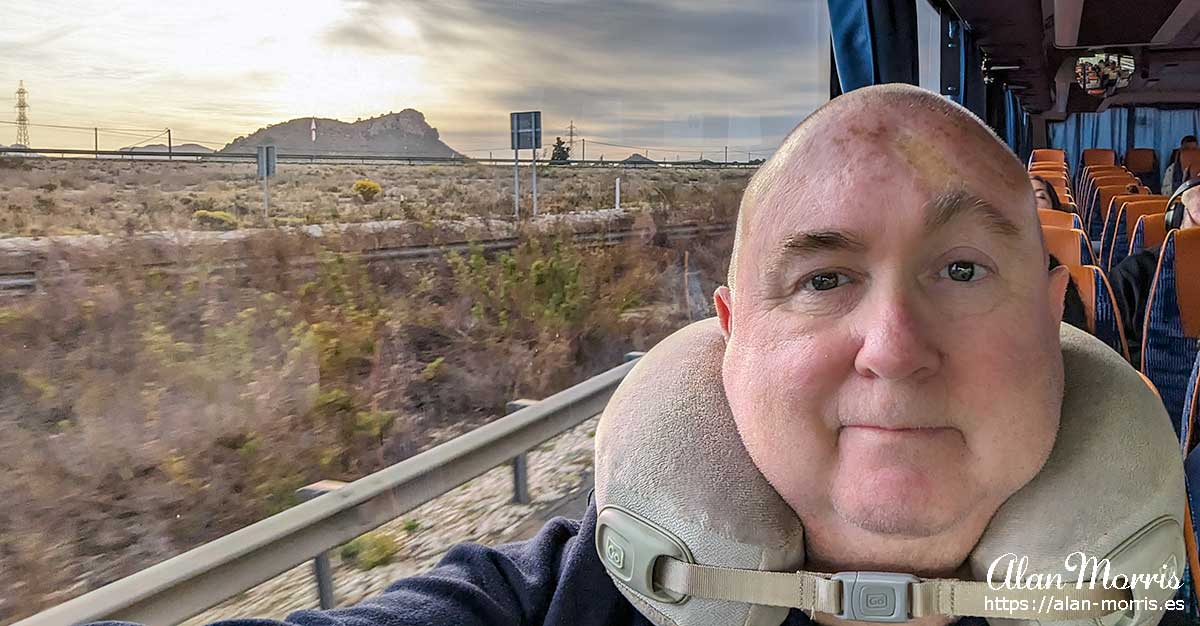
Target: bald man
x,y
889,314
890,306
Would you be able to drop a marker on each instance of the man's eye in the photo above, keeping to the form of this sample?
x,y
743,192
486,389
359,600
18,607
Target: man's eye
x,y
963,271
826,281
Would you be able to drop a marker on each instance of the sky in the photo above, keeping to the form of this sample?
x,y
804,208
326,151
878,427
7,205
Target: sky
x,y
675,76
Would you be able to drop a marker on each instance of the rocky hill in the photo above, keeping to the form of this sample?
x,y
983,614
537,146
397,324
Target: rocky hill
x,y
403,134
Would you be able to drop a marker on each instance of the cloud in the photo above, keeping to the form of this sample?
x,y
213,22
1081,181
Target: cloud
x,y
361,35
37,41
627,68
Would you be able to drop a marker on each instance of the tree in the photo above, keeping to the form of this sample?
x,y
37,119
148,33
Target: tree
x,y
562,153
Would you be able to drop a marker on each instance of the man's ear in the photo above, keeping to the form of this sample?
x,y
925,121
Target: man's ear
x,y
723,298
1059,277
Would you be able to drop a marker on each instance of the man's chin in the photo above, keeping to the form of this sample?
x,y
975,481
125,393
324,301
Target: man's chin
x,y
902,504
903,523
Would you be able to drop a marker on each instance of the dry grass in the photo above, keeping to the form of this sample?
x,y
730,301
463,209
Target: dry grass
x,y
146,413
76,196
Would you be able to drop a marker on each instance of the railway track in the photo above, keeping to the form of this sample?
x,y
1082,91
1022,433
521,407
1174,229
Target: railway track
x,y
25,283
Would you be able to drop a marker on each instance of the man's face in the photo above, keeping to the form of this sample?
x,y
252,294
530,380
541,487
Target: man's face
x,y
893,361
1187,145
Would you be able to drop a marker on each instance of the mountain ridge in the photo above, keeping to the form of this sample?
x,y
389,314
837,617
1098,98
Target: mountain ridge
x,y
402,134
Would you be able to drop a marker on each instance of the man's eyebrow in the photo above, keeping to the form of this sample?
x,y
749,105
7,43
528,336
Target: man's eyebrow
x,y
821,241
952,203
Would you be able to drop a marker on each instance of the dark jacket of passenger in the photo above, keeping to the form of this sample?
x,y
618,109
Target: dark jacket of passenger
x,y
1131,281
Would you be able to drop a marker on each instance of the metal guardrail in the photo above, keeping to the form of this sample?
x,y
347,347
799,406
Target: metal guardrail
x,y
198,579
18,283
300,158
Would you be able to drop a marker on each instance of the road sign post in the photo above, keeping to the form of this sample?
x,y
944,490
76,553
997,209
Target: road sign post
x,y
266,169
526,128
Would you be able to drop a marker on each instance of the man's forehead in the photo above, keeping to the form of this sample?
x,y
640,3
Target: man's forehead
x,y
903,170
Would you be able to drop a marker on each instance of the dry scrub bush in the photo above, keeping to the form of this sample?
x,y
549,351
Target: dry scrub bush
x,y
115,196
366,190
145,412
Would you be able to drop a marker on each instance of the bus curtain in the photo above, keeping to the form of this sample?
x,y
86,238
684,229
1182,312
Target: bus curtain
x,y
1017,131
874,42
1160,129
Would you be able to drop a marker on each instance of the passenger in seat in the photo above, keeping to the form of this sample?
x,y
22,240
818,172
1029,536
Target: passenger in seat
x,y
888,274
1173,175
1044,194
1133,277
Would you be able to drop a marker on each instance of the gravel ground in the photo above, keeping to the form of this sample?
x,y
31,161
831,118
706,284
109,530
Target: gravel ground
x,y
478,511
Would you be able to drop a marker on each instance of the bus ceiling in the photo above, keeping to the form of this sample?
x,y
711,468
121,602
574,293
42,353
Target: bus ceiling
x,y
1043,40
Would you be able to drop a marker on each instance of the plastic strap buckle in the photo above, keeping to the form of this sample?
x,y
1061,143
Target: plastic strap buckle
x,y
876,596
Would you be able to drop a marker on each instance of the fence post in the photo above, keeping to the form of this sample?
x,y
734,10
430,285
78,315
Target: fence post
x,y
321,567
520,463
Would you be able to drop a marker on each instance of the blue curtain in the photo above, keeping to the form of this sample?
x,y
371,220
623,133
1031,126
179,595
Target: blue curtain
x,y
1081,131
1018,132
874,42
1160,129
973,91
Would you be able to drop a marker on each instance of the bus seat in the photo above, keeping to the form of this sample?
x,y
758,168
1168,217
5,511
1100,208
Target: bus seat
x,y
1101,200
1148,233
1048,173
1100,306
1087,186
1058,219
1098,156
1059,183
1191,522
1110,213
1070,245
1141,161
1191,408
1127,218
1088,174
1169,343
1048,154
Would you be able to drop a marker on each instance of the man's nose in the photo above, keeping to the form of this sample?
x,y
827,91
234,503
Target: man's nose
x,y
898,341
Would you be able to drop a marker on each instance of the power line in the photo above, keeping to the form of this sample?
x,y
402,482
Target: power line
x,y
700,150
133,130
150,138
203,142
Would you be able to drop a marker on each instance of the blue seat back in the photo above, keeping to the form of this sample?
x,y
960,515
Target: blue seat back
x,y
1128,216
1191,406
1169,344
1187,592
